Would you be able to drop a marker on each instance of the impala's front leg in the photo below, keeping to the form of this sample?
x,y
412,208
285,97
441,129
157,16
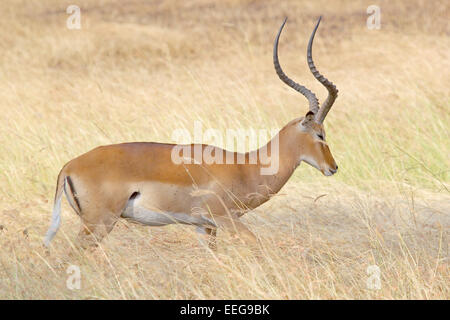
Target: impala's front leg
x,y
236,227
207,236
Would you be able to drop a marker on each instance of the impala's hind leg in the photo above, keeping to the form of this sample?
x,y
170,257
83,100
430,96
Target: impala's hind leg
x,y
95,227
98,219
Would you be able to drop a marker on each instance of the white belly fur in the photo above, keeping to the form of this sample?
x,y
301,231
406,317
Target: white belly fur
x,y
135,211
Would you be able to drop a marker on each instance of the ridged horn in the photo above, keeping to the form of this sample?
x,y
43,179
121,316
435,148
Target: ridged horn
x,y
332,90
313,102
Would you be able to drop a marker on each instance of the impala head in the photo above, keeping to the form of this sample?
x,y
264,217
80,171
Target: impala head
x,y
308,131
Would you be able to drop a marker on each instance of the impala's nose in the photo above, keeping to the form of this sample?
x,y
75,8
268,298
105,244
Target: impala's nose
x,y
330,172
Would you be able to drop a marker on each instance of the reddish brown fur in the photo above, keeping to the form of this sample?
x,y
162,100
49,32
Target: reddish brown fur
x,y
106,177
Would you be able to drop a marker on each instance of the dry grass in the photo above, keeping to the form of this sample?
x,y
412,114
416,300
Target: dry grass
x,y
138,70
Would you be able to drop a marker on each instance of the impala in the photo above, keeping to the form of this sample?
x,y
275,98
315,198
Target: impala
x,y
141,182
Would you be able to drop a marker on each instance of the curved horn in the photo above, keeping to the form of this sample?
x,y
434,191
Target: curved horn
x,y
332,90
313,102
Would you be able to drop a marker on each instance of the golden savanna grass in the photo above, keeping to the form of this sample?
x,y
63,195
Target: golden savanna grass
x,y
138,70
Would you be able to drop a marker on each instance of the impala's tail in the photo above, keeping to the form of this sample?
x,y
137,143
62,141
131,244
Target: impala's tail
x,y
56,216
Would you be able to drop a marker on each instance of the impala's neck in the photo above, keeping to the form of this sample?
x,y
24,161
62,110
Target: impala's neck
x,y
285,152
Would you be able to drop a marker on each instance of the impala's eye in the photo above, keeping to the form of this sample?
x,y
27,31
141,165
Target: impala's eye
x,y
320,136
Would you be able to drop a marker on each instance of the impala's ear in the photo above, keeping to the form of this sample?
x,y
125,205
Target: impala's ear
x,y
308,120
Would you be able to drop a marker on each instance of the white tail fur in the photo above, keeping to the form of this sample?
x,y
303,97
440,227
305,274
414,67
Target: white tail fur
x,y
56,216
